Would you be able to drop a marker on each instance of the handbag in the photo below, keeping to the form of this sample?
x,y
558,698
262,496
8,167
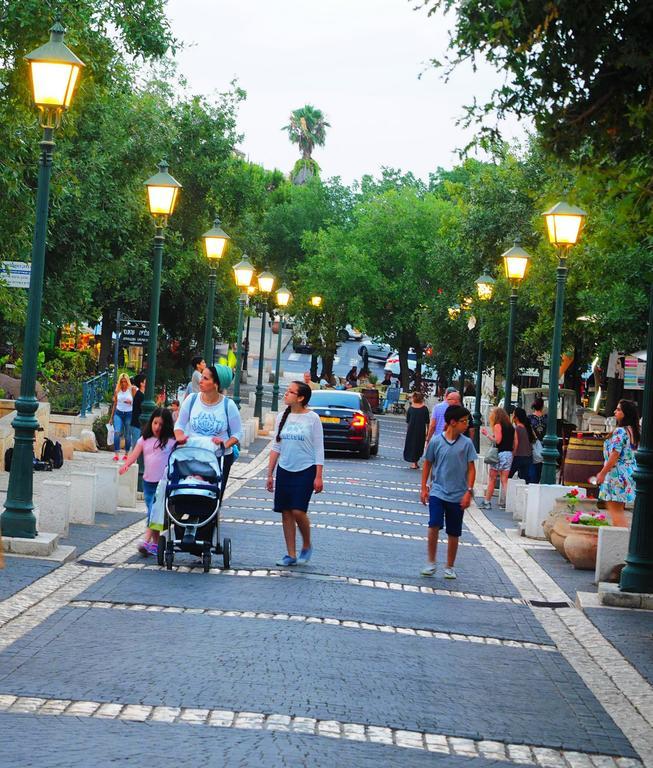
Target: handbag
x,y
110,433
492,456
235,448
537,452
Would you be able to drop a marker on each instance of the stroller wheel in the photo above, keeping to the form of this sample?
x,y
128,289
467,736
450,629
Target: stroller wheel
x,y
160,550
206,561
169,558
226,553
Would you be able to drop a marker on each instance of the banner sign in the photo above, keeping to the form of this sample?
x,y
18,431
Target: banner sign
x,y
135,333
16,274
634,373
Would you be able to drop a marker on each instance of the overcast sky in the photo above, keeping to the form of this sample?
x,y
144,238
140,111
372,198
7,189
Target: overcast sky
x,y
358,61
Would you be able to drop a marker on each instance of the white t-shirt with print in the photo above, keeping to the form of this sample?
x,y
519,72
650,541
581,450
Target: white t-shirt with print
x,y
209,420
302,441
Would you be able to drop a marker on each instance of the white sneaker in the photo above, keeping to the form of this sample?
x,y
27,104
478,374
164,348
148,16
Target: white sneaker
x,y
428,570
449,573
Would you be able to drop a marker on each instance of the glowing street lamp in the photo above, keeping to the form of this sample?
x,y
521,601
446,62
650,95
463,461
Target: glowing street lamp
x,y
316,301
162,195
265,286
243,274
284,297
215,241
564,223
515,263
54,73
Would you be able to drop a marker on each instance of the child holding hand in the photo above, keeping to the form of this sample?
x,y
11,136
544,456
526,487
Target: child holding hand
x,y
156,444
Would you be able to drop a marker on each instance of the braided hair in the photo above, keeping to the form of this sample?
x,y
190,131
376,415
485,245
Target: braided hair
x,y
303,392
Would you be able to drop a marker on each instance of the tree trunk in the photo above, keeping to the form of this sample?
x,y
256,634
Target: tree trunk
x,y
327,366
108,327
404,371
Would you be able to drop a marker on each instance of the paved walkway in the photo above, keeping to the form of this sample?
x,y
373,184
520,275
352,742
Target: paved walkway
x,y
353,660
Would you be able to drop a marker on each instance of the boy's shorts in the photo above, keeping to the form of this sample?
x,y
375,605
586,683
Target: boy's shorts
x,y
439,510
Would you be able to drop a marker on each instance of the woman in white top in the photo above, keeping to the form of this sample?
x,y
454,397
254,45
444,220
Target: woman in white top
x,y
298,454
121,415
210,414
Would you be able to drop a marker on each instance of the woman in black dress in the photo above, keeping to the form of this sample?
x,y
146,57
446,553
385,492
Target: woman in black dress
x,y
417,418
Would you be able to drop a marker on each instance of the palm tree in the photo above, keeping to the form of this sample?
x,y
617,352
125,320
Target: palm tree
x,y
307,128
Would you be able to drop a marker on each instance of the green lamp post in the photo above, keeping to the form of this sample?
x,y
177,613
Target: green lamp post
x,y
564,223
484,291
215,241
243,273
637,576
284,297
265,286
515,261
162,194
54,72
316,303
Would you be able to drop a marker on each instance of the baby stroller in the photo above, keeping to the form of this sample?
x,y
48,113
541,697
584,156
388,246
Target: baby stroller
x,y
192,505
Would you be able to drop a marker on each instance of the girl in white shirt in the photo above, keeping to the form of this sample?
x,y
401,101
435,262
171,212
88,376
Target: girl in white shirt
x,y
297,453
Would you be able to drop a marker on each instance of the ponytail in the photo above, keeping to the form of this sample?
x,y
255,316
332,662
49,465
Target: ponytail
x,y
286,413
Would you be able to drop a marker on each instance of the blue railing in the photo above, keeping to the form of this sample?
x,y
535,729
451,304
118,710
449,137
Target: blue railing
x,y
93,392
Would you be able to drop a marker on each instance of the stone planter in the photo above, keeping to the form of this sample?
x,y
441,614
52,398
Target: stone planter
x,y
561,529
583,505
580,546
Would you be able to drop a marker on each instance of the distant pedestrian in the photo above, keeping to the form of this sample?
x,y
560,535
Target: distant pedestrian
x,y
121,415
297,454
538,423
417,417
448,477
522,457
437,425
351,378
198,365
139,395
309,381
502,438
156,444
174,410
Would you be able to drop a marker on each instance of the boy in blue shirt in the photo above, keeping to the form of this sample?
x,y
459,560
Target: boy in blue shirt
x,y
448,477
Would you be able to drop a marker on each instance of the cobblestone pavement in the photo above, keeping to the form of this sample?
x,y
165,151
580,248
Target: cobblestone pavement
x,y
352,660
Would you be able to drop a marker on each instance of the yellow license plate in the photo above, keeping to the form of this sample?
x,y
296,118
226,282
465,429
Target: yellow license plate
x,y
330,419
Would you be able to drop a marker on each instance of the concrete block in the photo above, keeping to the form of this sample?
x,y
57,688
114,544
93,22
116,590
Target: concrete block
x,y
521,501
54,507
252,399
541,499
127,487
83,499
611,551
68,450
612,596
511,496
106,489
43,545
268,420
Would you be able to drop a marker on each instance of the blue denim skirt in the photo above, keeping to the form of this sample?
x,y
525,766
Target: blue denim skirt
x,y
293,490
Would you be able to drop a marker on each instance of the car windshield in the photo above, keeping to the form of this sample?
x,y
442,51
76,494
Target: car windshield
x,y
335,399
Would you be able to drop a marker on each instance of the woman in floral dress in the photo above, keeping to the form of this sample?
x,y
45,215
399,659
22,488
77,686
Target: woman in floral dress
x,y
616,475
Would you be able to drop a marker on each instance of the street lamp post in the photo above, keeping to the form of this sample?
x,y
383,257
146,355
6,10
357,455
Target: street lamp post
x,y
564,223
484,291
283,299
637,576
162,194
215,240
265,286
54,71
316,303
515,261
243,273
251,290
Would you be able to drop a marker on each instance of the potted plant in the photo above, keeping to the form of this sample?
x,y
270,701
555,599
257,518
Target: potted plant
x,y
582,541
555,526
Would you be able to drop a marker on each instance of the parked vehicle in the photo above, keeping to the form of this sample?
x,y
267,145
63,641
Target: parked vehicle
x,y
392,365
374,350
347,420
300,344
349,333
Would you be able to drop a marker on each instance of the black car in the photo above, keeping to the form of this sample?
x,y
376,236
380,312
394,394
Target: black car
x,y
347,421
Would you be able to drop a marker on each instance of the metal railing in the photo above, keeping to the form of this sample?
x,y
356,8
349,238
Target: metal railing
x,y
93,392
